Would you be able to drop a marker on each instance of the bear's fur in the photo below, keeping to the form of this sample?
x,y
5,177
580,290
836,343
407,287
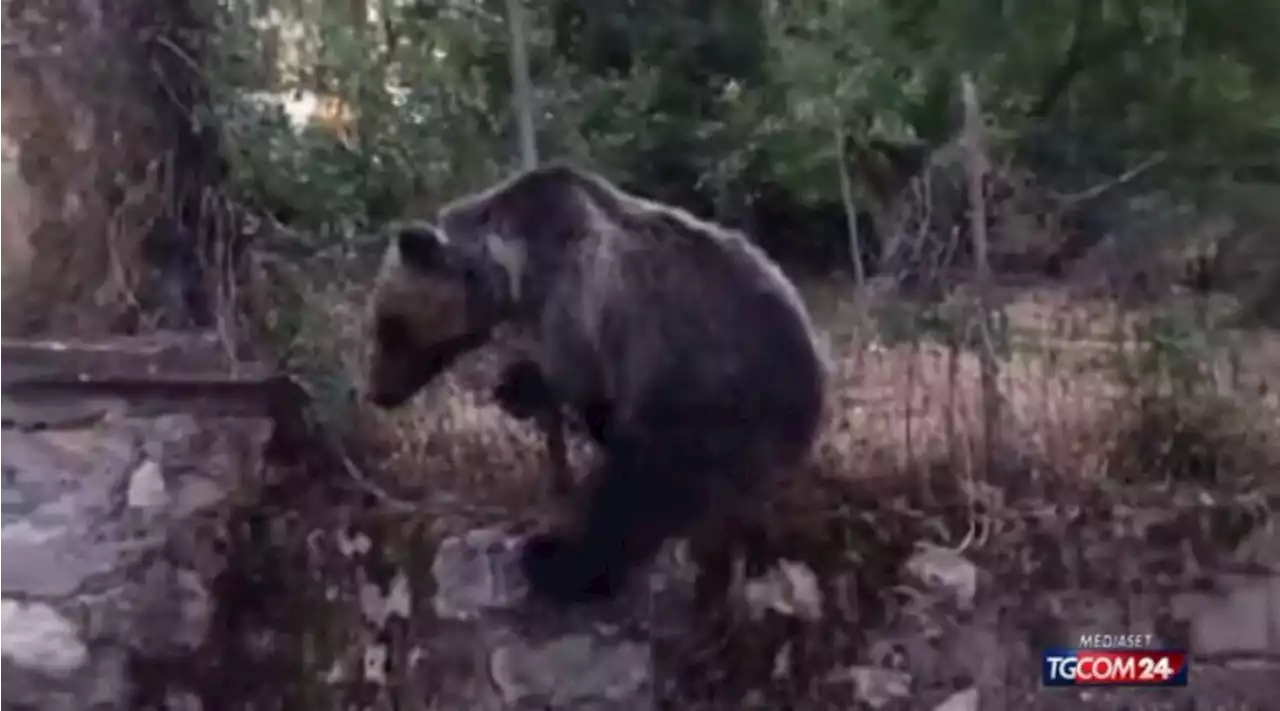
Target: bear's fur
x,y
686,351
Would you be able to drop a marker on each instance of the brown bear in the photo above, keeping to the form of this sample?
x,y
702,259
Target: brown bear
x,y
686,352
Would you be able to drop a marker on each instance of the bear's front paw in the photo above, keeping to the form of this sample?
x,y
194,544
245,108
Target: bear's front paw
x,y
522,391
557,571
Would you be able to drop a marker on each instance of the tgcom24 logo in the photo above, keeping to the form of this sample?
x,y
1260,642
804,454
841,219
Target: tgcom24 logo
x,y
1114,667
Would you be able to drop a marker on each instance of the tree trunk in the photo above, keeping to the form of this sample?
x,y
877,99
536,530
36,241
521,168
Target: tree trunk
x,y
115,141
522,100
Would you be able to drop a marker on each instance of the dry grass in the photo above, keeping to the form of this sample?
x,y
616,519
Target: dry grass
x,y
912,403
894,412
889,411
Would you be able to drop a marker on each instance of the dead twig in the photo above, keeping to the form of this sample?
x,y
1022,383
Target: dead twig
x,y
439,505
1074,199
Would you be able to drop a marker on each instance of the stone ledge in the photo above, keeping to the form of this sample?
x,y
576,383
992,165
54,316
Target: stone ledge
x,y
57,384
195,357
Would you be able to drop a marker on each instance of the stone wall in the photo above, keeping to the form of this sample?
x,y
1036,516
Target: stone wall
x,y
169,543
121,461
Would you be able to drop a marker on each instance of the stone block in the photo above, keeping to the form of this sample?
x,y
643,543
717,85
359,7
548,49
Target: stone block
x,y
1233,620
592,657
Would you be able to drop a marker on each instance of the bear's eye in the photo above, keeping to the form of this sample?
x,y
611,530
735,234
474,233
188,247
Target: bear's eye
x,y
391,332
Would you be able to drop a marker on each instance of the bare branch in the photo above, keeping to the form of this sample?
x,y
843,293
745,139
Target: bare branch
x,y
1074,199
850,209
977,169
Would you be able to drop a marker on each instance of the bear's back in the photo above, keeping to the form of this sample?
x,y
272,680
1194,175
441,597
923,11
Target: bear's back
x,y
695,322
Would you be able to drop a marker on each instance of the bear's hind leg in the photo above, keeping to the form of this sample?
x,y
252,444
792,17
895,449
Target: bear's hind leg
x,y
637,498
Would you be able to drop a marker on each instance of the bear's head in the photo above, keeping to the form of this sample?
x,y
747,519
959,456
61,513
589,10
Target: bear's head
x,y
431,303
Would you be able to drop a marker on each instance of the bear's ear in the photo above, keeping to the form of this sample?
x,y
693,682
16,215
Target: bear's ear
x,y
421,246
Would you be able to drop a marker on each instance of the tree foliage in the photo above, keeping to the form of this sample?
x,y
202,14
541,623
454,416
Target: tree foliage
x,y
746,110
